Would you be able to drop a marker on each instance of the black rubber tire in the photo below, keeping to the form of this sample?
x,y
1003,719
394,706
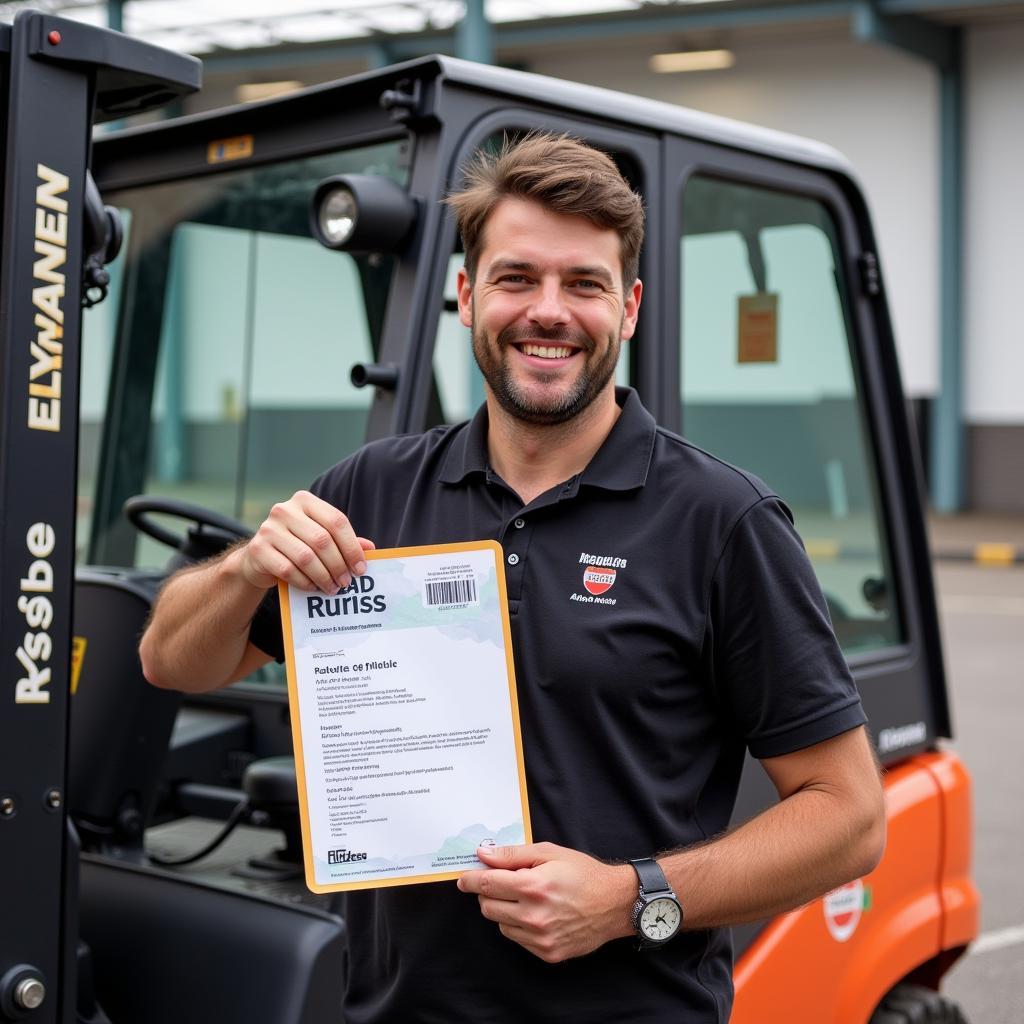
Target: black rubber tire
x,y
914,1004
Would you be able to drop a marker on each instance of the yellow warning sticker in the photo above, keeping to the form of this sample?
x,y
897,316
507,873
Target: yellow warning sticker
x,y
78,646
238,148
758,328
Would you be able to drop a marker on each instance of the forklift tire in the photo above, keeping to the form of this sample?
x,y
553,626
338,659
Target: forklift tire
x,y
914,1004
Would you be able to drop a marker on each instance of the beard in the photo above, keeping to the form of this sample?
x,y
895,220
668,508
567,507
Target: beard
x,y
516,399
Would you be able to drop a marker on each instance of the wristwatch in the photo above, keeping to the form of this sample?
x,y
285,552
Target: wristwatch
x,y
657,914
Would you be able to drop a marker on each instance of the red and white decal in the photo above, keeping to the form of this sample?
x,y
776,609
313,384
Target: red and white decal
x,y
597,579
843,908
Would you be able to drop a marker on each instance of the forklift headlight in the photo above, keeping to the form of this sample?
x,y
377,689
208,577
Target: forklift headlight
x,y
337,217
362,213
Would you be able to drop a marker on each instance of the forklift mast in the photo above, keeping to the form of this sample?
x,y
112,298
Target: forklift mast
x,y
57,79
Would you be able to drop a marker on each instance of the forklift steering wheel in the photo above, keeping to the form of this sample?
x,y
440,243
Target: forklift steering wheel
x,y
139,510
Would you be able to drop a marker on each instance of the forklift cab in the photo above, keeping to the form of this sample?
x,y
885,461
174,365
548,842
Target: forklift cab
x,y
237,357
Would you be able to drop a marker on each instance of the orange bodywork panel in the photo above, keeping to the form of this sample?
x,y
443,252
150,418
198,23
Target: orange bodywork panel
x,y
832,961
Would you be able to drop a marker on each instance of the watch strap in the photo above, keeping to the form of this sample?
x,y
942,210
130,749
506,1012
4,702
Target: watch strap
x,y
652,878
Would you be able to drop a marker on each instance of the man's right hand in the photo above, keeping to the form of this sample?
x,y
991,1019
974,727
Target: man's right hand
x,y
305,542
198,635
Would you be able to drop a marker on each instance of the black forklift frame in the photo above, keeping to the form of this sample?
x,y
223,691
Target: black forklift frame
x,y
59,78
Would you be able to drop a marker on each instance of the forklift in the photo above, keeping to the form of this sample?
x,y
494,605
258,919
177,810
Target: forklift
x,y
268,287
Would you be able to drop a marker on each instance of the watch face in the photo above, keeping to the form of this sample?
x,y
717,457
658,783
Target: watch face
x,y
660,919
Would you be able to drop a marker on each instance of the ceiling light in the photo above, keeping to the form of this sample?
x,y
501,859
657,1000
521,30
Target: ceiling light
x,y
692,60
253,91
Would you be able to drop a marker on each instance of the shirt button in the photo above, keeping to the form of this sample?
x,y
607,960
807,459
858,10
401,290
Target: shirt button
x,y
519,524
513,559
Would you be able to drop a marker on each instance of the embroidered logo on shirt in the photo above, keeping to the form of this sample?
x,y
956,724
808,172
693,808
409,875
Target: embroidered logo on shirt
x,y
598,580
598,577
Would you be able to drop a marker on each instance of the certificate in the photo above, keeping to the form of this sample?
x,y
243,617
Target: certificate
x,y
402,691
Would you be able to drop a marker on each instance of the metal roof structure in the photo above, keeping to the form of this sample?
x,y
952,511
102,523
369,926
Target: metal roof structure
x,y
205,26
218,29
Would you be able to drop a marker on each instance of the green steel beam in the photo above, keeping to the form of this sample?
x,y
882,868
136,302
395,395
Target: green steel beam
x,y
938,6
940,46
317,54
474,39
925,39
115,15
379,54
947,448
684,19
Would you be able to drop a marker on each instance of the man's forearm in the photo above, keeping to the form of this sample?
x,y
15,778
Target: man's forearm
x,y
198,634
788,855
828,829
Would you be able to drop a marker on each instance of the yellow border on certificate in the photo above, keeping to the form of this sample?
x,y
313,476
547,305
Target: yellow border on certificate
x,y
293,706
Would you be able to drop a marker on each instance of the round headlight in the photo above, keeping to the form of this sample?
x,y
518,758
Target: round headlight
x,y
337,215
361,213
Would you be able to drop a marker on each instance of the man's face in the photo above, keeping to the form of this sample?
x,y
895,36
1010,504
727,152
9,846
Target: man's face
x,y
547,310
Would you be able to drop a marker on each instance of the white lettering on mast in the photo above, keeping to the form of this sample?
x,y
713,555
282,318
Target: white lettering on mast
x,y
47,350
35,604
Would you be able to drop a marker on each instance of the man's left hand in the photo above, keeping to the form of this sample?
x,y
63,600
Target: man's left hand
x,y
555,902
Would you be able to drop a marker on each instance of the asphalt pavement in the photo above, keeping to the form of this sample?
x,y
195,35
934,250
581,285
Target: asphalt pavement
x,y
982,610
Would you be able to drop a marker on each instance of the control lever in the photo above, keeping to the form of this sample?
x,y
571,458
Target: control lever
x,y
273,795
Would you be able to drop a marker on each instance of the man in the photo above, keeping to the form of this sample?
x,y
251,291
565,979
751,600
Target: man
x,y
711,637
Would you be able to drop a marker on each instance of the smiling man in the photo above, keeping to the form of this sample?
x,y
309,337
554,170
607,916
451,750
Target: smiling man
x,y
565,320
664,617
544,296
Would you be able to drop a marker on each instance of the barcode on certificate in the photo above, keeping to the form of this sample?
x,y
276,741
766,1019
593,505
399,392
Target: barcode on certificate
x,y
450,593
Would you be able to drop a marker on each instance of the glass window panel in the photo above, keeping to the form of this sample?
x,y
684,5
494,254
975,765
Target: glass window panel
x,y
256,327
783,403
459,381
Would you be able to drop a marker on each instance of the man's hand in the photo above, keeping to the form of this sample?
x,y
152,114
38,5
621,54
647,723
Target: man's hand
x,y
306,542
198,635
555,902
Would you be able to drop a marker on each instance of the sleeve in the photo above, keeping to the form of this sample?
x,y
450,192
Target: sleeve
x,y
265,630
776,665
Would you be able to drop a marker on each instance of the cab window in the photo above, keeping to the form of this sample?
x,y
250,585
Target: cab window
x,y
768,383
235,333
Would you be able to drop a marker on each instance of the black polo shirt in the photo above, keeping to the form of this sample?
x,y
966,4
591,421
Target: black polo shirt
x,y
664,619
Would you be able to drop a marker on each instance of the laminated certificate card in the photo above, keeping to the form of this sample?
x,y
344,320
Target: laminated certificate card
x,y
404,716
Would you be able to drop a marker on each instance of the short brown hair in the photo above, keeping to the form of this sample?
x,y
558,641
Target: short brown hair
x,y
563,175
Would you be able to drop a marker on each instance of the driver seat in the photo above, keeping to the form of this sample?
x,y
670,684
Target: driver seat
x,y
120,725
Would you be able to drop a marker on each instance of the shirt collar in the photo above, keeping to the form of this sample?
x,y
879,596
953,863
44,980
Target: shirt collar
x,y
621,463
468,451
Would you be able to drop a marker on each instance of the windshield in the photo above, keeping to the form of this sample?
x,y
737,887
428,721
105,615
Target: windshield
x,y
218,370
